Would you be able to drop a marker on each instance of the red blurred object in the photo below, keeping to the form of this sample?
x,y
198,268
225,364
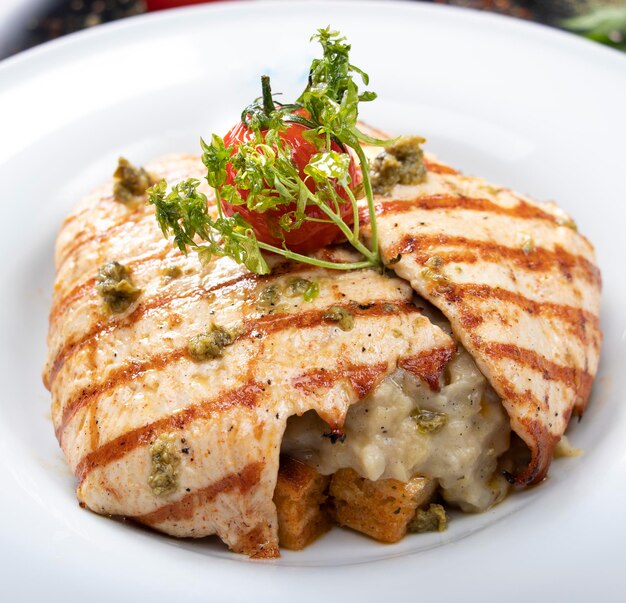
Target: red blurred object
x,y
311,235
161,4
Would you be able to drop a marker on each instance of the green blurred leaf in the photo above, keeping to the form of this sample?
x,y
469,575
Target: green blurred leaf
x,y
606,24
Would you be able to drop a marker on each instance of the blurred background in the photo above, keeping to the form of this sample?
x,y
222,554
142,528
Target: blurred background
x,y
27,23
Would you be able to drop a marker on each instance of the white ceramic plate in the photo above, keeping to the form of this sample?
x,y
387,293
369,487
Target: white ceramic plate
x,y
522,105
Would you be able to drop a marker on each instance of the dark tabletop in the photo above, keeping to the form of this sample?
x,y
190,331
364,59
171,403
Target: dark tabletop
x,y
603,20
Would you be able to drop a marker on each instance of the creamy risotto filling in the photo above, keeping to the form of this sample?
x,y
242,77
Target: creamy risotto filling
x,y
404,429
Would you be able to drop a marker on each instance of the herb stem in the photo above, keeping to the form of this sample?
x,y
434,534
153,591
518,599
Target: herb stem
x,y
268,101
291,255
372,256
298,257
298,119
218,203
355,212
367,184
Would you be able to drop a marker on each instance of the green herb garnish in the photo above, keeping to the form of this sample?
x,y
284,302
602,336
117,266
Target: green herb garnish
x,y
260,174
184,212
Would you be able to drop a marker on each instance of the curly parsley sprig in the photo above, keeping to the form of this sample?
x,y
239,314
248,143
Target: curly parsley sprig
x,y
332,98
266,178
184,212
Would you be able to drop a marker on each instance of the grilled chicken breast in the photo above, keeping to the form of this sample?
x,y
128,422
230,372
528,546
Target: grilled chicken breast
x,y
519,285
191,446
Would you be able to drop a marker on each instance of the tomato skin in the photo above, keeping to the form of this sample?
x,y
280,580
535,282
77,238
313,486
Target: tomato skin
x,y
311,235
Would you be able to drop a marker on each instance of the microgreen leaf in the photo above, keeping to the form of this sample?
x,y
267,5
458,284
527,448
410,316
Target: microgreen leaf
x,y
215,157
330,165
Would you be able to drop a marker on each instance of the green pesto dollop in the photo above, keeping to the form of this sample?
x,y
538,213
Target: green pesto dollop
x,y
400,163
428,422
130,181
298,286
172,272
268,297
433,519
211,344
433,274
343,318
116,287
165,461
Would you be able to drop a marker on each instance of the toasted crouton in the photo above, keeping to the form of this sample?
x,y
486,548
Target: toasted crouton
x,y
299,495
381,509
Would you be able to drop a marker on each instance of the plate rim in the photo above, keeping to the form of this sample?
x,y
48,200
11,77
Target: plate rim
x,y
225,6
257,570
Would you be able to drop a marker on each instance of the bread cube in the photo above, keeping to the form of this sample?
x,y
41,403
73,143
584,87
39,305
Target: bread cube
x,y
380,509
299,497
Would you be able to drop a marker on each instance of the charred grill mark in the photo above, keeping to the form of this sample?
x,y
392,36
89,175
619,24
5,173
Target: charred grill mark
x,y
534,431
428,365
246,395
469,320
72,217
575,316
531,416
118,377
94,431
541,444
540,260
242,481
74,295
362,378
103,199
87,287
522,210
272,323
185,170
575,379
126,222
581,403
582,324
255,328
522,400
103,327
438,168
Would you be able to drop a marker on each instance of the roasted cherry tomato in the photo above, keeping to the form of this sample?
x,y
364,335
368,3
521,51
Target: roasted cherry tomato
x,y
311,235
